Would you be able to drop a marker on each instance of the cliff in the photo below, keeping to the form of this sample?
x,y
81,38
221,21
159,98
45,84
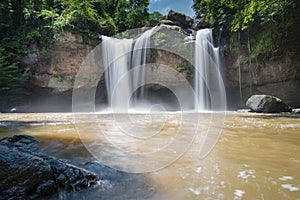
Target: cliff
x,y
52,82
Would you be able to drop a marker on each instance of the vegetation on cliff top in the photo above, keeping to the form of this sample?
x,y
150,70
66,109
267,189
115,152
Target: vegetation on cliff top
x,y
29,27
261,27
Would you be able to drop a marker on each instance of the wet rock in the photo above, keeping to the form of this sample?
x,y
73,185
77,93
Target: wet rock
x,y
267,104
20,143
167,22
25,173
69,177
152,23
61,83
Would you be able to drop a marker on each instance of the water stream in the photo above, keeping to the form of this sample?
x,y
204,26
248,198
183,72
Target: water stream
x,y
126,59
256,157
207,71
119,57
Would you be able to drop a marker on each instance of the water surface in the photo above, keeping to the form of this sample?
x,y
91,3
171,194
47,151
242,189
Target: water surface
x,y
256,157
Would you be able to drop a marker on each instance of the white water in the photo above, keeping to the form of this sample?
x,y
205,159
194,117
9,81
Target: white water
x,y
120,56
116,58
139,60
207,64
126,60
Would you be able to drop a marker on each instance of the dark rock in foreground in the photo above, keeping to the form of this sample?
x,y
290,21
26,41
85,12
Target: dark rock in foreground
x,y
267,104
27,174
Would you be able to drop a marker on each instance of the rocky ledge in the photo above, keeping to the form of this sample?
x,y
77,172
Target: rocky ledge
x,y
26,173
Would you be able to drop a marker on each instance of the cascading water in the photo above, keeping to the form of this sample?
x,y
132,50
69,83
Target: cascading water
x,y
205,80
119,56
125,60
116,59
139,60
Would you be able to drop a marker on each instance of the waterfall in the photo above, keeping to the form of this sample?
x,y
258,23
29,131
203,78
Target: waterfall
x,y
116,58
206,60
120,56
126,60
139,60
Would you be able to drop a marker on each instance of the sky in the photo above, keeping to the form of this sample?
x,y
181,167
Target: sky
x,y
164,6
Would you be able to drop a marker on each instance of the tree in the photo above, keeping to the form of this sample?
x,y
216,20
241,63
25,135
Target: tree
x,y
104,16
239,15
278,18
29,26
20,28
155,16
138,14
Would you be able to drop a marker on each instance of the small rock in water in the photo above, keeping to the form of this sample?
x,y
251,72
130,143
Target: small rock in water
x,y
296,110
267,104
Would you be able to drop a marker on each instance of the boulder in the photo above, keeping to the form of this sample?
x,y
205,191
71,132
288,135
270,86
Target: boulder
x,y
267,104
152,23
25,173
180,19
167,22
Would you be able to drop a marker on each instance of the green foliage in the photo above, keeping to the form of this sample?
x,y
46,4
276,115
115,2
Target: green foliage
x,y
103,16
55,63
240,15
29,26
258,26
187,67
12,76
20,28
155,16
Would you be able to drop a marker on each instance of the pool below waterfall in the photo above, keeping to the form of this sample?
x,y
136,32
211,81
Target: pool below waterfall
x,y
253,156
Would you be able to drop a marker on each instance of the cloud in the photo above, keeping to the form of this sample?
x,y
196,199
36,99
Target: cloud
x,y
154,1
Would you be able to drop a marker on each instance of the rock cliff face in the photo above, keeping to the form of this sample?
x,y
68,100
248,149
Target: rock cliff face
x,y
53,80
59,74
279,77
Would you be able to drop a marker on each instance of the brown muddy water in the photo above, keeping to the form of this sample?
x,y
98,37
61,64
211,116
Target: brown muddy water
x,y
255,156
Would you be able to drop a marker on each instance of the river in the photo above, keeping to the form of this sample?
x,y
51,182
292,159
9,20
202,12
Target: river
x,y
256,156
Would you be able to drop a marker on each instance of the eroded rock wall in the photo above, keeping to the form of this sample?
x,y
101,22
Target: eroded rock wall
x,y
278,77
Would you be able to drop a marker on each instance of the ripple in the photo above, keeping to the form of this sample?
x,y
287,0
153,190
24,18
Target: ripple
x,y
290,187
285,178
198,170
239,194
246,174
196,191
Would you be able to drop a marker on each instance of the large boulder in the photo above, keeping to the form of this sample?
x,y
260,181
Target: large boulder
x,y
25,173
179,19
152,23
267,104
